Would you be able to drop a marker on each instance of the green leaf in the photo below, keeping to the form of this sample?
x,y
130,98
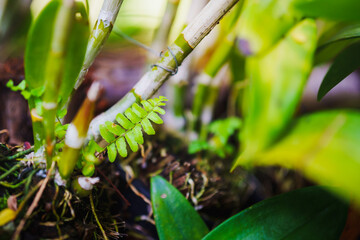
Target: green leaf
x,y
75,52
123,121
139,111
224,128
344,64
174,217
325,147
148,107
138,135
197,146
159,110
111,150
155,118
130,138
121,147
132,116
275,88
344,10
114,128
308,213
109,137
88,170
38,45
145,123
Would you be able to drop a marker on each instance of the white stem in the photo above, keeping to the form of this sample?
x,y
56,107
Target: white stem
x,y
155,78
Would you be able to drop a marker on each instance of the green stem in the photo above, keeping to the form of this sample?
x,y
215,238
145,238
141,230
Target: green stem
x,y
14,168
54,72
99,35
17,155
96,217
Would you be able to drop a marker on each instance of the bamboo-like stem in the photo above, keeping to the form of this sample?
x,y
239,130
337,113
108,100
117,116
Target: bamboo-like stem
x,y
54,72
76,133
156,77
99,35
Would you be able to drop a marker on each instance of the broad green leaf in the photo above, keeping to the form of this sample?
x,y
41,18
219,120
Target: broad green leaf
x,y
339,31
139,111
145,123
114,128
174,217
75,53
121,147
344,64
343,10
111,150
275,88
132,116
224,128
308,213
38,45
105,134
155,118
325,147
131,141
123,121
263,23
138,135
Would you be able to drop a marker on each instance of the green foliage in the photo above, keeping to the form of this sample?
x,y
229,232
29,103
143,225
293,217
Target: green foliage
x,y
344,10
263,23
128,129
222,130
39,45
308,213
344,64
324,147
275,87
174,217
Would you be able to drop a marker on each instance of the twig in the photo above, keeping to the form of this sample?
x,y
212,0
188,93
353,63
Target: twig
x,y
17,155
33,204
115,188
96,218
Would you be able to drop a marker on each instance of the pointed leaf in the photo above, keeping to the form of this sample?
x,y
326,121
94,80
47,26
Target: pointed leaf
x,y
145,123
344,64
148,107
139,111
114,128
159,110
131,141
123,121
132,116
174,217
138,135
325,147
121,147
111,150
344,10
308,213
155,118
105,134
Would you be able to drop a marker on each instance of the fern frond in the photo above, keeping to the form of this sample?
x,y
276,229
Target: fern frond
x,y
129,126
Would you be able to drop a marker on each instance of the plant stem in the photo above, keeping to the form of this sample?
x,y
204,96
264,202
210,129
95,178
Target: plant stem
x,y
54,72
156,77
14,168
96,217
99,35
17,155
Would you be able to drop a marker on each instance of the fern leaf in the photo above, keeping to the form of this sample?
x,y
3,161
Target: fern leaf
x,y
114,128
121,147
128,129
132,116
138,134
123,121
155,118
112,152
147,126
108,136
130,138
